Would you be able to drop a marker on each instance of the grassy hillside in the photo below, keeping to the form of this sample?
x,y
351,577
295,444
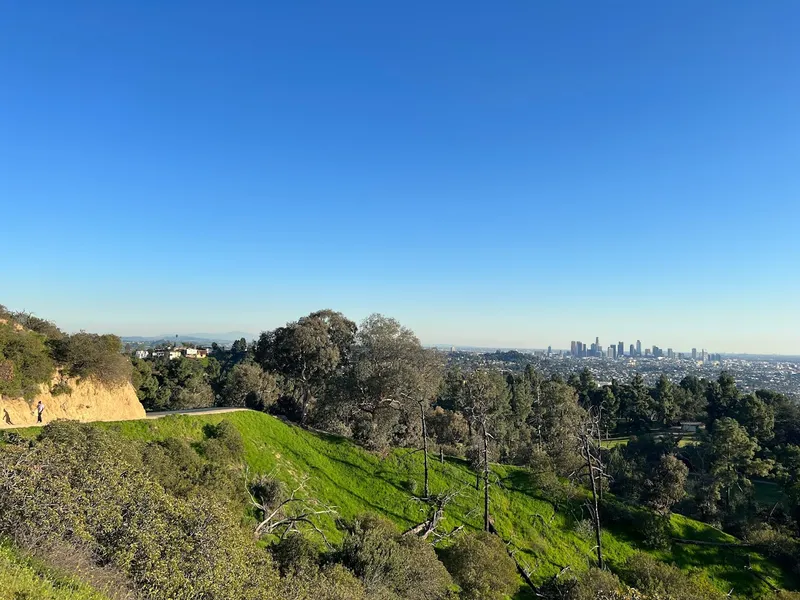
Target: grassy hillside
x,y
355,481
23,579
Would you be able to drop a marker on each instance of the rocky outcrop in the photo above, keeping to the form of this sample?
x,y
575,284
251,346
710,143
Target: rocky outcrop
x,y
88,401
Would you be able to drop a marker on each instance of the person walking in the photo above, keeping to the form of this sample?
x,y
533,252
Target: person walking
x,y
39,411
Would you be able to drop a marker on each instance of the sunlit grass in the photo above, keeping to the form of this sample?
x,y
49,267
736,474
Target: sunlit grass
x,y
355,481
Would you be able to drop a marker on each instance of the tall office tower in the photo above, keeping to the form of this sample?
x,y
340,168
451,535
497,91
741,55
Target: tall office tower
x,y
647,351
703,355
611,351
632,351
583,349
694,353
593,348
681,356
549,350
620,349
656,351
670,353
573,348
638,347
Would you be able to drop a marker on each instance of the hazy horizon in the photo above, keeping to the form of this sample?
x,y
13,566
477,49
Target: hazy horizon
x,y
449,337
516,176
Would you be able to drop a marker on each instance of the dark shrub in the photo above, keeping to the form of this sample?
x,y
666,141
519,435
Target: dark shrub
x,y
388,563
480,564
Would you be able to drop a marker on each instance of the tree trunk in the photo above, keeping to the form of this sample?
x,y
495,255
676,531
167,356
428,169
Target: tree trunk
x,y
539,417
425,447
596,512
600,449
304,404
485,478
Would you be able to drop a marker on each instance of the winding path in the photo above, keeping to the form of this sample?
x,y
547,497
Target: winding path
x,y
195,411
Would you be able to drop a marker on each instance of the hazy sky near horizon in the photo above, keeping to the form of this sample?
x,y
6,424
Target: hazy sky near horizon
x,y
498,174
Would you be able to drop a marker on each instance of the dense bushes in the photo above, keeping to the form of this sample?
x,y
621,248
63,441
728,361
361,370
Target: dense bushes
x,y
665,582
31,348
174,384
88,355
391,565
480,564
594,584
81,485
25,361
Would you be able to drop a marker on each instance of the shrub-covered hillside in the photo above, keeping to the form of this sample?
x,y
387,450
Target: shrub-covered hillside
x,y
544,525
26,579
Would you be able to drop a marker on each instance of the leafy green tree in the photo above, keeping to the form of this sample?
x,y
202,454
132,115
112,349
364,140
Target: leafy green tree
x,y
666,485
183,383
607,405
239,349
486,404
664,405
308,352
733,459
389,378
516,440
481,566
645,471
787,417
637,405
554,421
690,396
147,386
722,396
756,416
247,384
585,385
419,395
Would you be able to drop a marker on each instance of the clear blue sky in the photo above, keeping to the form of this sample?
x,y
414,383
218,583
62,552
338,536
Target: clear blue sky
x,y
508,174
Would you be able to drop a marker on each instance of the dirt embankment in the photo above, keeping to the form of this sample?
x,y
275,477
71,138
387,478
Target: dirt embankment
x,y
88,401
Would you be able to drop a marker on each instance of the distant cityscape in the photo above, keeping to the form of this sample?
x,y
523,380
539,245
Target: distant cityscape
x,y
580,350
751,372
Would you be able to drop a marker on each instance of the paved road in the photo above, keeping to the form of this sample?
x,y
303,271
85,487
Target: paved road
x,y
194,411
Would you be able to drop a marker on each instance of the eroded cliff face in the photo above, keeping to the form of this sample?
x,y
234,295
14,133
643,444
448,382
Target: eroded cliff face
x,y
88,401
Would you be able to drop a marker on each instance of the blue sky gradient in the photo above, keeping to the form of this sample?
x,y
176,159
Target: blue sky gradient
x,y
513,174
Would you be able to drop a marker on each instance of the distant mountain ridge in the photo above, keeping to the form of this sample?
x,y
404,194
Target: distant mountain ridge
x,y
228,336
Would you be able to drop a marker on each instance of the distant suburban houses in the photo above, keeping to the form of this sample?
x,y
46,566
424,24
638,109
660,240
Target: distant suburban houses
x,y
173,353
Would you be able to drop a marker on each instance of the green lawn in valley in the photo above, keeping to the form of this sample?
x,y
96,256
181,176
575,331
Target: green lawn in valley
x,y
342,474
686,439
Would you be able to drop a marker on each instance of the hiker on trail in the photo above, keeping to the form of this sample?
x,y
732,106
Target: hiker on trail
x,y
39,411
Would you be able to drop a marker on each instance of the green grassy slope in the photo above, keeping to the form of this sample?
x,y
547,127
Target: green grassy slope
x,y
355,481
23,579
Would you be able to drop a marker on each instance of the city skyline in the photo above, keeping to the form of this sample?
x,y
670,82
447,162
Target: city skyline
x,y
449,165
615,350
